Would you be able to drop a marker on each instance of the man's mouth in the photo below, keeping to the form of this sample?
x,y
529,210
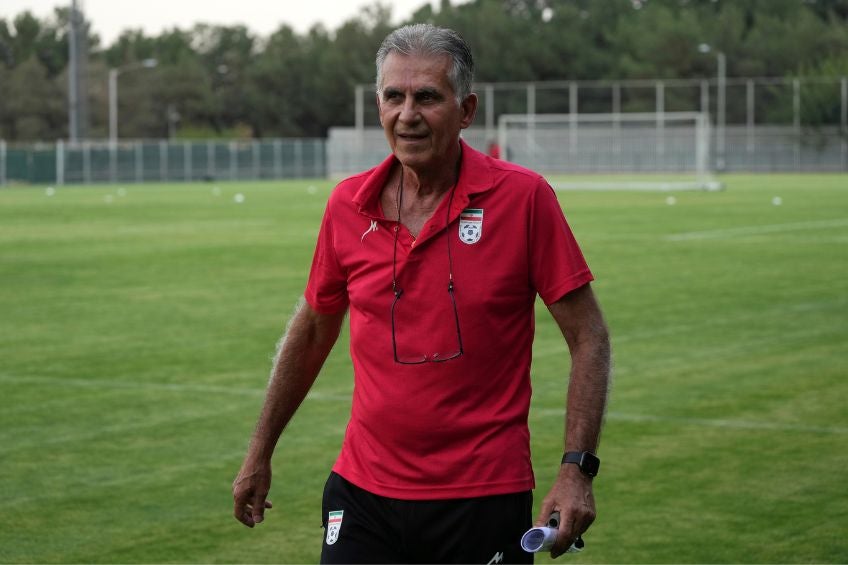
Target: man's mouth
x,y
412,136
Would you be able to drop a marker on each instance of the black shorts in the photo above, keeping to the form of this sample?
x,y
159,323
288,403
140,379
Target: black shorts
x,y
360,527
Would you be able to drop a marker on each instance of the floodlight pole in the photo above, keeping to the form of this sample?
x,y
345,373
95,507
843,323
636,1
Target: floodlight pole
x,y
73,76
113,93
721,102
113,106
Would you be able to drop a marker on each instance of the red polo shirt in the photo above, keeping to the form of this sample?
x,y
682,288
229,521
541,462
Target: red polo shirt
x,y
455,429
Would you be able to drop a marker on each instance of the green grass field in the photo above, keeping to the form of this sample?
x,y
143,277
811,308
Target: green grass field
x,y
137,327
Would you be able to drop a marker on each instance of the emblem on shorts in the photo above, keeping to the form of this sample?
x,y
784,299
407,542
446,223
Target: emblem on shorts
x,y
471,225
334,525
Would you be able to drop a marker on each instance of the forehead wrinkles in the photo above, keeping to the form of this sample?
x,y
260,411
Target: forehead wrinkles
x,y
416,71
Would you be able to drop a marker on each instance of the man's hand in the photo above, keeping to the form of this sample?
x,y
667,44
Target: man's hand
x,y
249,491
307,342
571,496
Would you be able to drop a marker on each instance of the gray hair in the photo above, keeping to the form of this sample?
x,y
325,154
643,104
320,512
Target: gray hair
x,y
427,39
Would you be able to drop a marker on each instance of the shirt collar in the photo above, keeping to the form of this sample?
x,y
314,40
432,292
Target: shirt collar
x,y
475,176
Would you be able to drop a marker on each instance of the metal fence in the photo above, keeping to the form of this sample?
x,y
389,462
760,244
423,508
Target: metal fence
x,y
729,100
763,148
758,124
161,161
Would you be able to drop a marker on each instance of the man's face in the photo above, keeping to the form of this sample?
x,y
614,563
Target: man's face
x,y
419,112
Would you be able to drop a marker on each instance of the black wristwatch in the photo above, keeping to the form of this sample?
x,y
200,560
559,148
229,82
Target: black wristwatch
x,y
586,460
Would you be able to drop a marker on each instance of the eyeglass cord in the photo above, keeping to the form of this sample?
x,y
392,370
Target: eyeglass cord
x,y
399,202
398,291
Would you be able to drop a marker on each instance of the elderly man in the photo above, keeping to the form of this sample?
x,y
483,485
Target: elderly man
x,y
438,253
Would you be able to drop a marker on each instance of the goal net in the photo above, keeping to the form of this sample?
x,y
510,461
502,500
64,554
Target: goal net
x,y
623,151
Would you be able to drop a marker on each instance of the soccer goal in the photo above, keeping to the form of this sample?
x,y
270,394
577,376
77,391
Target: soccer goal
x,y
623,151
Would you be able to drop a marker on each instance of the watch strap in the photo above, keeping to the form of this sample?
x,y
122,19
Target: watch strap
x,y
586,461
575,457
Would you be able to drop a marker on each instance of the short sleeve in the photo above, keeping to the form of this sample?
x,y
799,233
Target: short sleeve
x,y
557,265
326,289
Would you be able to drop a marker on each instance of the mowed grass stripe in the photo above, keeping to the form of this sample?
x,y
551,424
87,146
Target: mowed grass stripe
x,y
734,232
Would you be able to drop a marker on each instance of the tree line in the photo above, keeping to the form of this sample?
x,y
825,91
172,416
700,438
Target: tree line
x,y
225,81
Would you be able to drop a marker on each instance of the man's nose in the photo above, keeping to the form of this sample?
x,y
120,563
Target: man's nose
x,y
409,111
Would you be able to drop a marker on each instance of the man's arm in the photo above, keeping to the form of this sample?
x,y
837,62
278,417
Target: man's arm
x,y
581,322
302,351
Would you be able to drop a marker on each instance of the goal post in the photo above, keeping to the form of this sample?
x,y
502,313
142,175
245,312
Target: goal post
x,y
621,151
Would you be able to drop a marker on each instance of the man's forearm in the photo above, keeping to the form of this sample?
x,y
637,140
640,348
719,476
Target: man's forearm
x,y
588,390
301,354
582,324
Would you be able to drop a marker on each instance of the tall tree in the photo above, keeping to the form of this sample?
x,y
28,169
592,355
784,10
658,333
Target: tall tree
x,y
35,103
223,78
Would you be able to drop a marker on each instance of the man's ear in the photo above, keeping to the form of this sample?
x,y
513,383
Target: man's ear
x,y
379,113
469,110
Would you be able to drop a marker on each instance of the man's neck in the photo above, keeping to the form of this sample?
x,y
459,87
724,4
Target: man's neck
x,y
425,186
430,182
414,197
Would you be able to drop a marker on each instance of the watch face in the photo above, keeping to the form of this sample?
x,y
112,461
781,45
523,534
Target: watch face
x,y
590,464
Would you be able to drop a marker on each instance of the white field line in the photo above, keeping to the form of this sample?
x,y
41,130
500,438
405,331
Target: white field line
x,y
96,481
11,441
710,355
711,422
703,422
160,387
726,233
557,346
117,384
21,439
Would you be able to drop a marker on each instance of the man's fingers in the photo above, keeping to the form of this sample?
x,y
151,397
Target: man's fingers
x,y
250,488
569,531
244,515
564,537
544,515
247,518
241,512
258,508
244,512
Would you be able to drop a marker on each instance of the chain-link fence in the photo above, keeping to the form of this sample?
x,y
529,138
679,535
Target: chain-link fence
x,y
161,161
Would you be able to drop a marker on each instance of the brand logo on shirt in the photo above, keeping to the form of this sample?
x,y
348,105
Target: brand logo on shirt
x,y
471,225
371,228
498,558
334,525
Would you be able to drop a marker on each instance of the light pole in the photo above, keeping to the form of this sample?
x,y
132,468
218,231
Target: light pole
x,y
721,102
113,93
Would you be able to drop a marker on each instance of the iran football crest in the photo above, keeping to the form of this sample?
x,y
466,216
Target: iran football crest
x,y
334,524
471,225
